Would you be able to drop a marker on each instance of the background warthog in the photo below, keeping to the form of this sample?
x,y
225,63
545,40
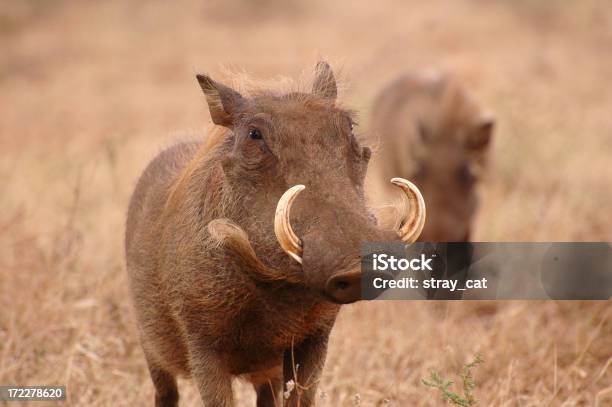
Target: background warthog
x,y
215,295
428,129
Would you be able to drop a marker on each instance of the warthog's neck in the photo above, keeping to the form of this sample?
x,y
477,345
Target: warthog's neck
x,y
275,320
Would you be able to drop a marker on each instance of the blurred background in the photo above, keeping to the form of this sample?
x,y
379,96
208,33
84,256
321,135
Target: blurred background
x,y
91,91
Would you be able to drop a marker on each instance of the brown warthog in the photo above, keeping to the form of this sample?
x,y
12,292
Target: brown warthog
x,y
223,283
429,129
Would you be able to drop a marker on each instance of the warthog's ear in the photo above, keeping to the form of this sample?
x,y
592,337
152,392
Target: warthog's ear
x,y
324,83
223,101
480,137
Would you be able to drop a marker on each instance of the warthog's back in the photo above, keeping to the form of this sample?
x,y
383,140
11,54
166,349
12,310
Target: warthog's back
x,y
151,193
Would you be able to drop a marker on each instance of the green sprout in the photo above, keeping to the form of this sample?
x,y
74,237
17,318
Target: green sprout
x,y
436,381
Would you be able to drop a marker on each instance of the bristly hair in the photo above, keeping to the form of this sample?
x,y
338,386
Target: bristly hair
x,y
280,85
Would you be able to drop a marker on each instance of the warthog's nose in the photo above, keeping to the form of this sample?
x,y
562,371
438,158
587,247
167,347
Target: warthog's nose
x,y
346,288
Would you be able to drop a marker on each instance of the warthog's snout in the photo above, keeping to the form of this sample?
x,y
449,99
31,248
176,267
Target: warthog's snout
x,y
346,288
330,261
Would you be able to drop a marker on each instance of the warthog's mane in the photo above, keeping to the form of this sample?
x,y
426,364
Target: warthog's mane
x,y
200,182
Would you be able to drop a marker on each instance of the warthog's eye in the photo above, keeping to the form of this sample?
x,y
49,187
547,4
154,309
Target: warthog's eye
x,y
423,132
466,175
255,134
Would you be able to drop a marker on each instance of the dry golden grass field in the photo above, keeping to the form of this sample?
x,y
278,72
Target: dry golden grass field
x,y
90,91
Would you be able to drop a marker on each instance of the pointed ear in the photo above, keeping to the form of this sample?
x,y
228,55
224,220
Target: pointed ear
x,y
480,137
223,101
324,84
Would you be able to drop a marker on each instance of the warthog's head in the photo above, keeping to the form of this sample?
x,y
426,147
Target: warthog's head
x,y
302,143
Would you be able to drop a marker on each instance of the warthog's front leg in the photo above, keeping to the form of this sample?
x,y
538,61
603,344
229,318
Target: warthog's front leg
x,y
212,379
305,361
166,391
268,393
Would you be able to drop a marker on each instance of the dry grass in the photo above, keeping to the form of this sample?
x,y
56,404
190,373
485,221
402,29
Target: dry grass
x,y
90,91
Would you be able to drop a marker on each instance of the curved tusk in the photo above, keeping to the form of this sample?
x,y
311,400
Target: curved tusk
x,y
287,239
414,220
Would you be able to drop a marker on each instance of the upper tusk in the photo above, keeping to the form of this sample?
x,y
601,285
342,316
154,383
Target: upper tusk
x,y
412,222
287,239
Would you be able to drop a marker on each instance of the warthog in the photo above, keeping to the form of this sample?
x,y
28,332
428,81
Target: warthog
x,y
226,279
430,130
